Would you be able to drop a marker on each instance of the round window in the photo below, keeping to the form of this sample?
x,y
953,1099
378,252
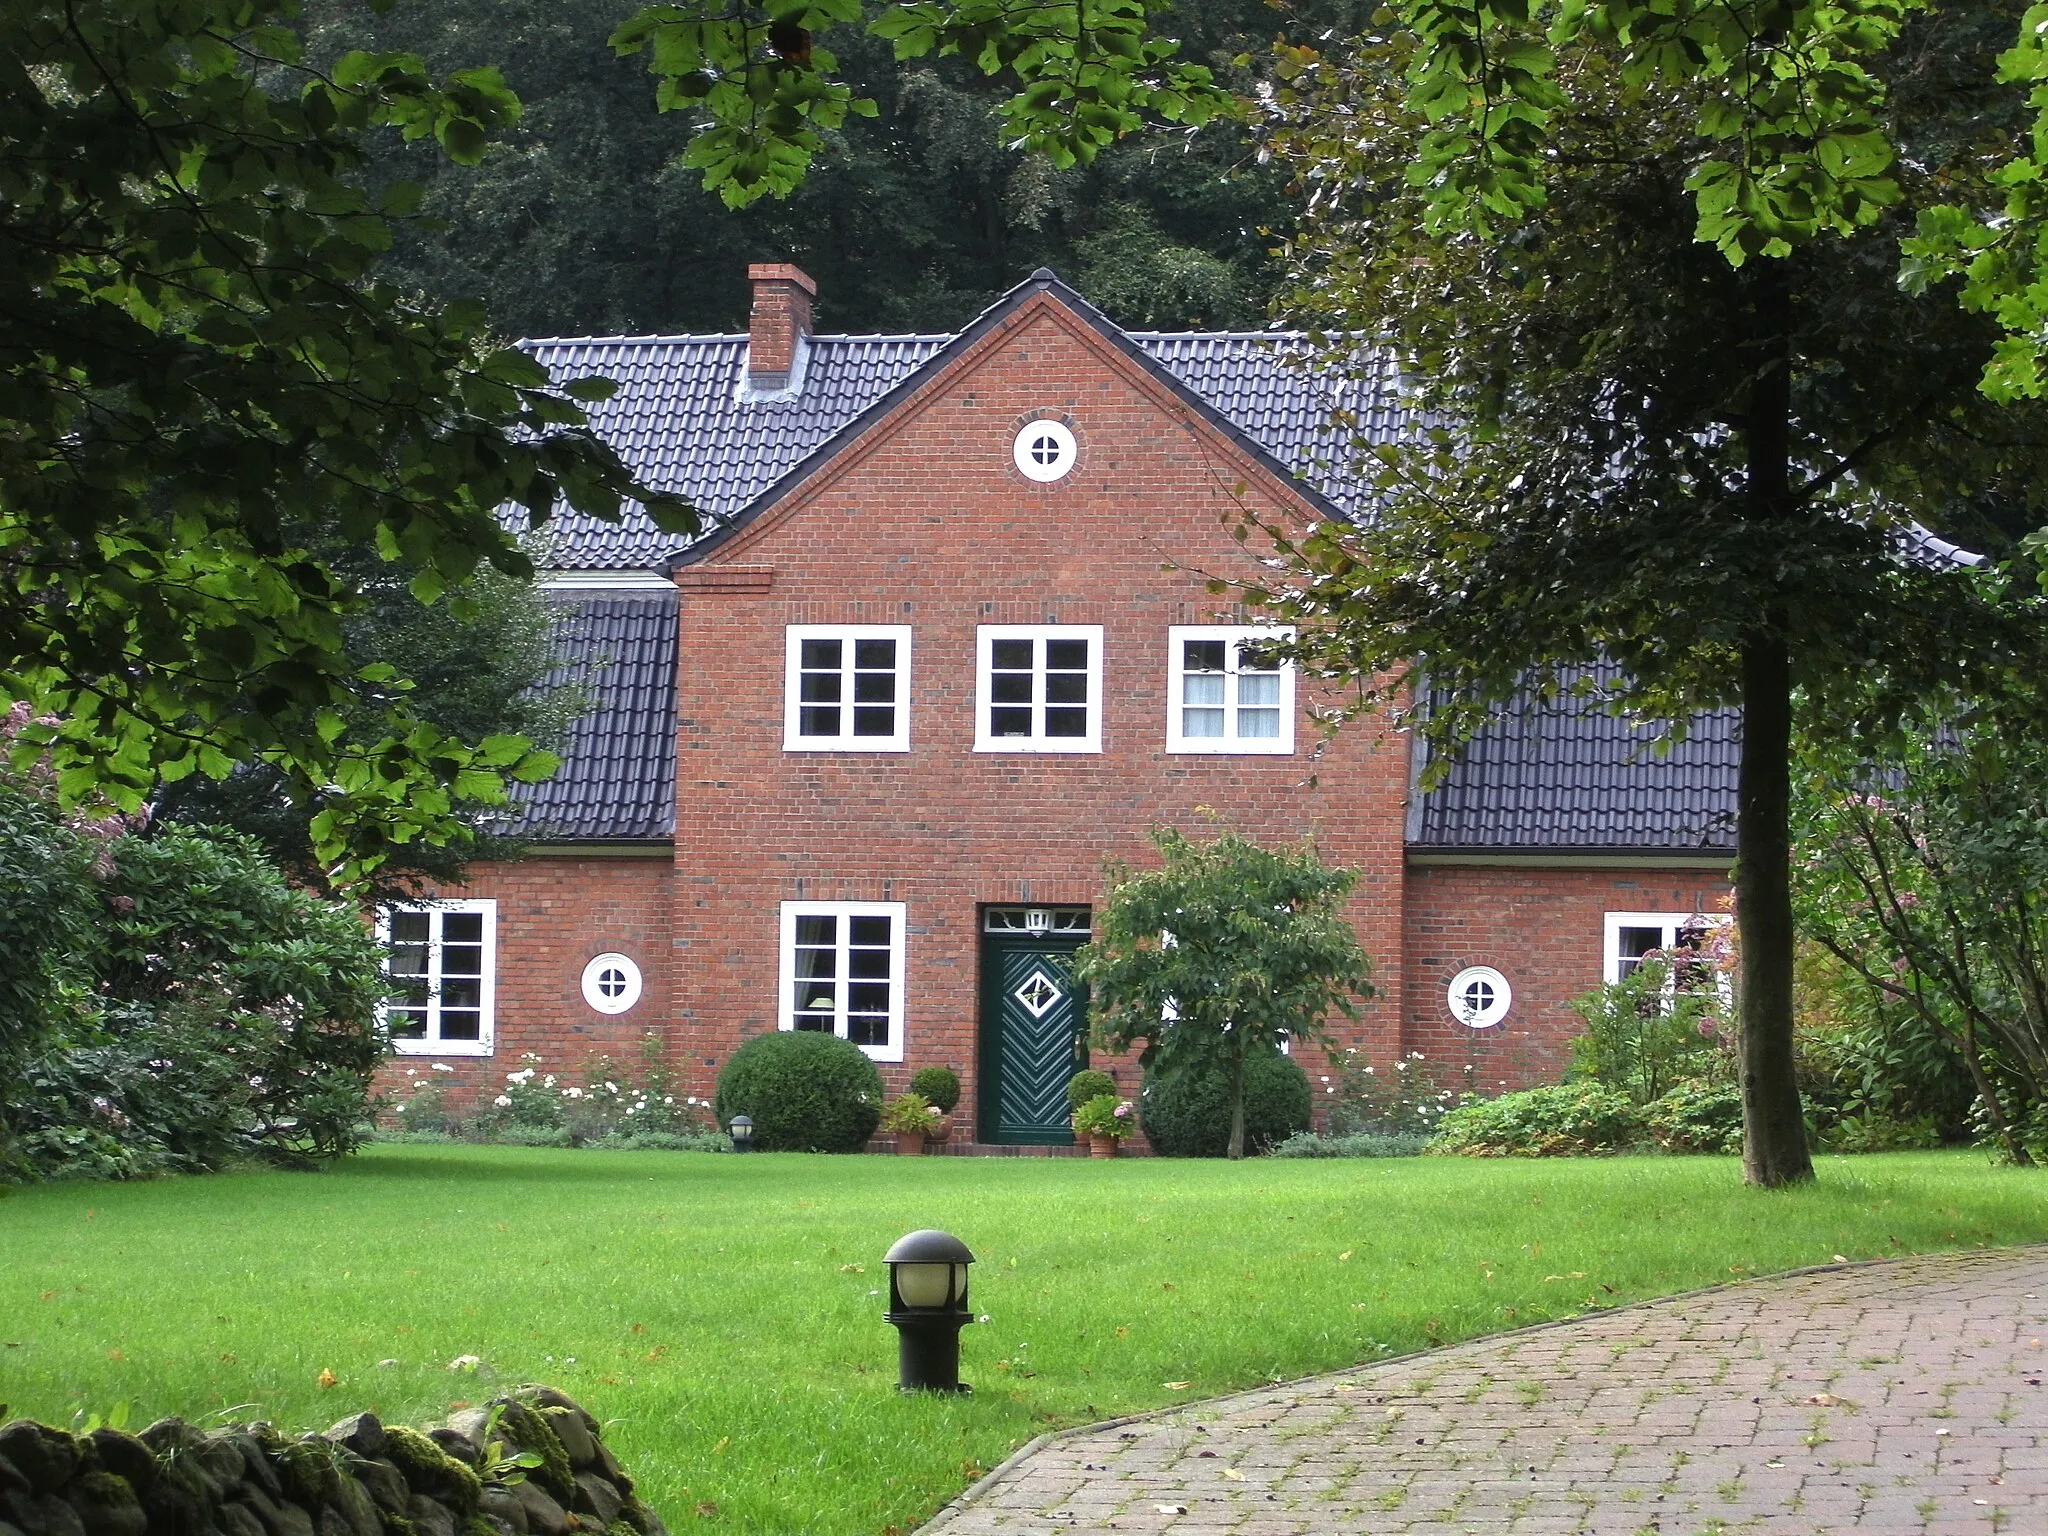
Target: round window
x,y
1480,996
1044,450
611,983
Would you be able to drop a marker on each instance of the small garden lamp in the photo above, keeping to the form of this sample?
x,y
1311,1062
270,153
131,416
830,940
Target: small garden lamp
x,y
928,1305
742,1130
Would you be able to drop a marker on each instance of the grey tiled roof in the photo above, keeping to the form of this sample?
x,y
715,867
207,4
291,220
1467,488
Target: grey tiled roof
x,y
617,779
1566,775
677,421
680,421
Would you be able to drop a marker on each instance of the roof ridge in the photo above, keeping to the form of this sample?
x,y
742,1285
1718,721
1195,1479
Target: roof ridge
x,y
705,337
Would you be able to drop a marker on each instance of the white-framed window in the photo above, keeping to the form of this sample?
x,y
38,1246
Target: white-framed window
x,y
441,958
842,972
1044,451
611,983
847,688
1038,688
1480,997
1632,935
1223,696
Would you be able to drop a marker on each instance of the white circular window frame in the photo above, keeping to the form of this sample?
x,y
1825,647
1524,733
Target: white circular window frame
x,y
1028,439
593,973
1494,1012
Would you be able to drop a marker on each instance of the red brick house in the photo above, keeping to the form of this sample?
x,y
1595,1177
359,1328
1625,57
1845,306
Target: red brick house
x,y
860,754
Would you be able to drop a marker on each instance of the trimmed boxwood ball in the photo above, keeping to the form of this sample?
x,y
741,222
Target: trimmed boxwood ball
x,y
1189,1115
939,1085
804,1091
1089,1084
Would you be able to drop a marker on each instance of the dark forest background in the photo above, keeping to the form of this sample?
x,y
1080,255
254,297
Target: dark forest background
x,y
580,221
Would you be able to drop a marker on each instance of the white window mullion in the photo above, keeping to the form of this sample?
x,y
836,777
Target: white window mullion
x,y
849,945
1215,704
833,662
431,1014
1039,688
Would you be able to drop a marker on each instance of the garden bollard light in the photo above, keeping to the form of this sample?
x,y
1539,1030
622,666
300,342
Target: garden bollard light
x,y
928,1305
742,1132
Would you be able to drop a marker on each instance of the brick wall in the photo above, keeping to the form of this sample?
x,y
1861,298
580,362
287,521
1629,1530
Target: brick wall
x,y
556,913
1542,928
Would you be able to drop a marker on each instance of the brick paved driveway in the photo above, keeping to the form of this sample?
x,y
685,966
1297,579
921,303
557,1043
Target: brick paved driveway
x,y
1899,1397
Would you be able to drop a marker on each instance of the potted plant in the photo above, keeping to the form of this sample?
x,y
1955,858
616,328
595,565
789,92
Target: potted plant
x,y
910,1118
1103,1122
940,1085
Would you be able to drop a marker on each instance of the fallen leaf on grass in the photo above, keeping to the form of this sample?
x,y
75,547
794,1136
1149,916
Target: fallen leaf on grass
x,y
1176,1386
1344,1255
706,1510
1841,1258
326,1379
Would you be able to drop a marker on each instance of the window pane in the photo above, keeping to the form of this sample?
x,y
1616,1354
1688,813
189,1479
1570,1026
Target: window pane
x,y
407,1024
409,927
818,720
874,720
407,960
1066,722
1010,688
1258,724
1251,658
461,992
1066,688
821,655
462,960
868,964
817,928
1066,655
461,1024
1201,722
1010,655
818,688
867,930
868,1028
816,1023
1009,722
1258,688
1202,655
813,965
462,927
874,687
874,655
1202,690
1638,942
867,997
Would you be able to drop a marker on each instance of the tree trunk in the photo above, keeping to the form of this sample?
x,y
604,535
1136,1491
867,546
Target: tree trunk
x,y
1236,1150
1774,1151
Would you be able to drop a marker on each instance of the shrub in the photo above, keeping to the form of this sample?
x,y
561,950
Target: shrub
x,y
613,1100
1644,1033
940,1087
1088,1084
1188,1114
1697,1117
1356,1144
804,1091
1881,1133
1572,1120
1409,1098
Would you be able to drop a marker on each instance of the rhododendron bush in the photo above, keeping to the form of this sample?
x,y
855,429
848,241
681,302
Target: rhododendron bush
x,y
169,1003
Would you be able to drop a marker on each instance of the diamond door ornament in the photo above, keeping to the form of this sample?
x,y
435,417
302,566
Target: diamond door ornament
x,y
1038,993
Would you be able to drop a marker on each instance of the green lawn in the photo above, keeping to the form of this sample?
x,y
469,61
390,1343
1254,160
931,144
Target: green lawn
x,y
720,1313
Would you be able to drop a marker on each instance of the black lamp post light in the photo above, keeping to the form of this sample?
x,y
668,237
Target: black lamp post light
x,y
928,1305
742,1132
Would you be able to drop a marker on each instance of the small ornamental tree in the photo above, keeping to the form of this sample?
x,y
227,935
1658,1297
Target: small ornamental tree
x,y
1226,951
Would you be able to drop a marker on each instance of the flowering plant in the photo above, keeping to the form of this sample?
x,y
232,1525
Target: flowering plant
x,y
910,1113
1106,1115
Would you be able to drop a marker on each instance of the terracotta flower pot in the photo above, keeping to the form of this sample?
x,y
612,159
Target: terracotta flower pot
x,y
1101,1146
939,1132
910,1143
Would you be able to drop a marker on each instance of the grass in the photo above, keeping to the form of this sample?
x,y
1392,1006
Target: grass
x,y
721,1313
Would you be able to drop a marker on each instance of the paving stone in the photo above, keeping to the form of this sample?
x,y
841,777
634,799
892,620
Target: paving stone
x,y
1862,1398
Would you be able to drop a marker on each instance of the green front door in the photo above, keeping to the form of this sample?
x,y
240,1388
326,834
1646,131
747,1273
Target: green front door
x,y
1033,1036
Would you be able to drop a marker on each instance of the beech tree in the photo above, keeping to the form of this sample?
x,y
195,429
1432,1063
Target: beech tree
x,y
197,366
1225,950
1640,269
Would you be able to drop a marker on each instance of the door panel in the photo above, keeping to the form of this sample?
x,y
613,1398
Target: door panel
x,y
1032,1021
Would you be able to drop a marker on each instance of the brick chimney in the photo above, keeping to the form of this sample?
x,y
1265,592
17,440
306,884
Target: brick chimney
x,y
781,318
